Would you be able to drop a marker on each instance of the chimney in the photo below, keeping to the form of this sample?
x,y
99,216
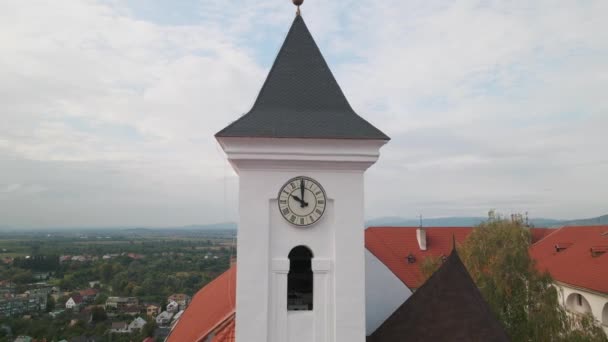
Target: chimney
x,y
421,237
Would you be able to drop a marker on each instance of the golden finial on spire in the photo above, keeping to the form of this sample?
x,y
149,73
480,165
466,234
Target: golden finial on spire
x,y
298,3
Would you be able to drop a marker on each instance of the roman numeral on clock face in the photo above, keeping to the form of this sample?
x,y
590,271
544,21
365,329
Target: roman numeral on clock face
x,y
302,201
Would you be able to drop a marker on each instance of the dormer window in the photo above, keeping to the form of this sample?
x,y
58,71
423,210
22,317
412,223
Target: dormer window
x,y
562,246
598,250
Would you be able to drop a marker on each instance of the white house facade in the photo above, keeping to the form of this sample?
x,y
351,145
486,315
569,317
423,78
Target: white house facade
x,y
173,307
71,304
577,259
137,324
384,292
164,318
579,300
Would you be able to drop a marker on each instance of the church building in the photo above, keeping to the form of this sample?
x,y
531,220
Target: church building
x,y
301,154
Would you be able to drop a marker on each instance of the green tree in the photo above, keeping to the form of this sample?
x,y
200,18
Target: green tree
x,y
50,303
429,265
22,277
101,299
149,328
496,256
67,283
98,314
106,272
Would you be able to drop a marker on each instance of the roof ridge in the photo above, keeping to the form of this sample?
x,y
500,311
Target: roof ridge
x,y
548,235
272,68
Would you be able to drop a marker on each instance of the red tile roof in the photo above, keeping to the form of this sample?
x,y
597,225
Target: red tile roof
x,y
212,306
225,333
88,292
392,245
178,296
539,233
574,264
77,298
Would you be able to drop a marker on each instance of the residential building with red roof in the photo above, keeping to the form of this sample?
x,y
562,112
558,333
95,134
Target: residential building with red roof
x,y
577,259
182,299
89,295
74,302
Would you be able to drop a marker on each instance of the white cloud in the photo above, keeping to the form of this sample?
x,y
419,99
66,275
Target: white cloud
x,y
110,114
486,100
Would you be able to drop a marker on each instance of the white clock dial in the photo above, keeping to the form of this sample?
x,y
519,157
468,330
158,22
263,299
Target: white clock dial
x,y
302,201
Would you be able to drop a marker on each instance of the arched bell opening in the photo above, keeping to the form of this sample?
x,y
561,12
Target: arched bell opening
x,y
300,280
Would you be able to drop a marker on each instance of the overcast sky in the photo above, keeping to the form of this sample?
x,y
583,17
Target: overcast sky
x,y
108,108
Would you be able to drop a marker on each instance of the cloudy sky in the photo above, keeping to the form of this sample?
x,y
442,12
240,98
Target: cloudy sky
x,y
108,108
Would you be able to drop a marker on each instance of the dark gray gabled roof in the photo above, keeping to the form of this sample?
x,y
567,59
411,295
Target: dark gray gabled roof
x,y
301,98
448,307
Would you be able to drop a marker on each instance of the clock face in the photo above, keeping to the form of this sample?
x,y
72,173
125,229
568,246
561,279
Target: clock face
x,y
302,201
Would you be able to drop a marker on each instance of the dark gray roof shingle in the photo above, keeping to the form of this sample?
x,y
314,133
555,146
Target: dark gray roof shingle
x,y
301,98
448,307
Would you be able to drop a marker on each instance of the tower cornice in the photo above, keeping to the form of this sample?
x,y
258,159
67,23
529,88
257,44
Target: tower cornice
x,y
298,154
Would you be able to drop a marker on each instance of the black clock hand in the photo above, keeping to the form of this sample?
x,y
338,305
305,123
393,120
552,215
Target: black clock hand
x,y
302,203
302,193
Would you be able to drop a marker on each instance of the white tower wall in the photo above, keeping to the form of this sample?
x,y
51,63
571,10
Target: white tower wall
x,y
265,239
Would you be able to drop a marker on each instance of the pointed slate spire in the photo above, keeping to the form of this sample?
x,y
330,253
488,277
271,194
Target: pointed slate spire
x,y
448,307
301,98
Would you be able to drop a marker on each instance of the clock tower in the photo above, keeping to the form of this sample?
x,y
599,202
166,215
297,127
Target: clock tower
x,y
301,153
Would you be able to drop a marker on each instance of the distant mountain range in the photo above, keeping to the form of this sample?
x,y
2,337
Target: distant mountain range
x,y
390,221
212,226
128,229
472,221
